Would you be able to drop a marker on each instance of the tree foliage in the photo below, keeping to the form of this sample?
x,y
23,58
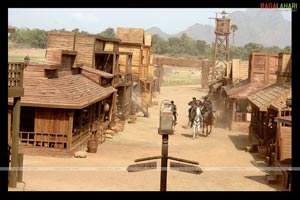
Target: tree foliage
x,y
183,46
109,33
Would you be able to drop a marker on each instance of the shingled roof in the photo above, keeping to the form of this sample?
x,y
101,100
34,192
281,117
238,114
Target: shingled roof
x,y
70,91
272,94
243,90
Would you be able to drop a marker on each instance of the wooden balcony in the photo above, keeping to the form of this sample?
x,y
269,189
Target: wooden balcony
x,y
15,79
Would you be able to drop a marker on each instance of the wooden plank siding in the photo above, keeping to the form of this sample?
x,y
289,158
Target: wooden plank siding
x,y
61,40
99,45
85,46
147,39
130,35
53,56
263,67
136,54
49,120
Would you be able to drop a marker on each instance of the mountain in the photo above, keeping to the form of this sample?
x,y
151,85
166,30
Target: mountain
x,y
262,26
155,30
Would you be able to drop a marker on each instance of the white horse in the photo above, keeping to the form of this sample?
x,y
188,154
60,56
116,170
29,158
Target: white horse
x,y
197,122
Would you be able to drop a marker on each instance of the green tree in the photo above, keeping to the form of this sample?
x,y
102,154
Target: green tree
x,y
109,33
234,29
253,47
287,49
159,45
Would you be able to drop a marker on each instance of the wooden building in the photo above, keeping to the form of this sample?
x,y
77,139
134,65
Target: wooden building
x,y
262,72
59,110
138,42
262,129
99,53
262,115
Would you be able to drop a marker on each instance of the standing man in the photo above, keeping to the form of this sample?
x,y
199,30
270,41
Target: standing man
x,y
174,111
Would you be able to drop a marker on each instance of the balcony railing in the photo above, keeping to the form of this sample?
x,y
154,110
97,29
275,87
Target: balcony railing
x,y
15,79
45,140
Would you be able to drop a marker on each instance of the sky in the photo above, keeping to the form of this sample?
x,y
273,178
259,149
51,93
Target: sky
x,y
169,20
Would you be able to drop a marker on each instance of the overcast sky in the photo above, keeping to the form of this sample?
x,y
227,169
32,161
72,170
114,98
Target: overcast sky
x,y
96,20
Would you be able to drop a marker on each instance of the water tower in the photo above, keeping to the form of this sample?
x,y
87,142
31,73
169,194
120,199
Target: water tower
x,y
221,53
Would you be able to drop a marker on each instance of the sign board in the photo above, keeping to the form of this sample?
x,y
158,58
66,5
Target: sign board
x,y
185,168
142,167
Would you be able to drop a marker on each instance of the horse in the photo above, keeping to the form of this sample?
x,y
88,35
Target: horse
x,y
208,120
196,121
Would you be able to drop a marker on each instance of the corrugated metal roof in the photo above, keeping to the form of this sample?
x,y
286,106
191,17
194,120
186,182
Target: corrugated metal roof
x,y
274,93
70,91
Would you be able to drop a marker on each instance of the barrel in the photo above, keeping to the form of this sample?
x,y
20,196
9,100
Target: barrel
x,y
92,146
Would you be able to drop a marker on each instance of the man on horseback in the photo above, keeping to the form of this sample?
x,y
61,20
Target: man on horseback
x,y
192,104
196,118
207,107
208,116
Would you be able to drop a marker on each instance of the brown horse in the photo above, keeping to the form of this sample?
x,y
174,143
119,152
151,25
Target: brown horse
x,y
208,120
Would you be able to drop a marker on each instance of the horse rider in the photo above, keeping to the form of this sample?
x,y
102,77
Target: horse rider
x,y
191,104
207,107
174,111
193,110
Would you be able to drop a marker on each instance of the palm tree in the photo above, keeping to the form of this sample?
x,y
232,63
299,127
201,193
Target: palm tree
x,y
234,28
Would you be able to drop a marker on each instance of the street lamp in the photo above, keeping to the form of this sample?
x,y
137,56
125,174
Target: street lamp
x,y
166,119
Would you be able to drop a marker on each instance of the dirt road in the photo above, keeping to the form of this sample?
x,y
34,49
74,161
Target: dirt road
x,y
225,164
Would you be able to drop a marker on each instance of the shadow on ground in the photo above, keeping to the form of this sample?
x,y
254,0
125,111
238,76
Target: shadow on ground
x,y
262,180
240,141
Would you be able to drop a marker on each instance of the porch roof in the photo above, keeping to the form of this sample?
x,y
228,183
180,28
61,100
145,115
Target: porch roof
x,y
69,92
273,94
243,90
98,72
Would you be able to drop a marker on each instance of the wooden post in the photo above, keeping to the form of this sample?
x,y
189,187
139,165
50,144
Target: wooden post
x,y
15,141
233,113
9,127
20,163
69,145
164,163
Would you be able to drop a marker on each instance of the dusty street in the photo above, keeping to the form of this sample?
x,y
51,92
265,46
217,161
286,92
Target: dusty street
x,y
221,155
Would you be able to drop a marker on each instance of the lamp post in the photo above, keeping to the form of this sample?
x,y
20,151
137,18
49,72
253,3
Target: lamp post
x,y
165,129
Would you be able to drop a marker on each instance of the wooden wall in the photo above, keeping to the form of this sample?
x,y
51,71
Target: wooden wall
x,y
84,45
49,120
61,40
53,56
136,53
92,76
223,25
284,73
146,56
147,39
130,35
263,67
99,45
284,142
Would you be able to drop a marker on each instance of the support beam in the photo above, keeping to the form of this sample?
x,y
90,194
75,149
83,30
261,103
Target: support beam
x,y
15,142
